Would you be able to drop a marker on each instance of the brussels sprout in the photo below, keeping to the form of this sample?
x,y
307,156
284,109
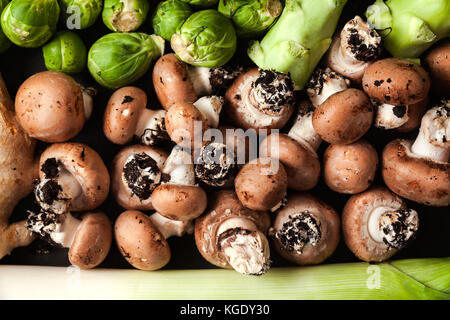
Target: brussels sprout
x,y
125,15
4,41
206,39
118,59
66,52
201,3
30,23
88,11
168,16
252,17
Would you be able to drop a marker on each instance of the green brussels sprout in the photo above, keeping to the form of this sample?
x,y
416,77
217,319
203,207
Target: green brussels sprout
x,y
118,59
206,39
202,3
4,41
168,16
80,14
253,17
66,52
30,23
125,15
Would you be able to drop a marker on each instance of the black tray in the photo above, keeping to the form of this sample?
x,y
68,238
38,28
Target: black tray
x,y
17,64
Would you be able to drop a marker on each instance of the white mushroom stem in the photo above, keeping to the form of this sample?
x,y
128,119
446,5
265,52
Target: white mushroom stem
x,y
169,228
200,78
324,84
248,251
210,108
150,120
392,226
433,141
88,101
303,131
70,189
390,117
179,167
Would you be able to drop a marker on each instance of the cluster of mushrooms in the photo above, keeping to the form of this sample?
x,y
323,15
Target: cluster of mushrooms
x,y
236,208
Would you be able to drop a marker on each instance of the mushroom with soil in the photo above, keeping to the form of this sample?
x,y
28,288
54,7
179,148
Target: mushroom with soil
x,y
18,169
175,81
260,99
437,62
127,116
376,224
135,172
323,84
350,168
51,106
88,239
306,230
419,170
354,49
231,236
394,85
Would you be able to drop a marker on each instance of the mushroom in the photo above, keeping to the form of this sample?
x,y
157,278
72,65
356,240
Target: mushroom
x,y
376,224
88,239
393,85
135,172
415,114
174,81
18,169
179,198
260,99
126,116
261,184
352,51
323,84
52,107
350,168
231,236
419,170
73,177
437,62
344,117
306,230
302,130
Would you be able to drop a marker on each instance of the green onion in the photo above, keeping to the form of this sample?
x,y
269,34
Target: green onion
x,y
401,279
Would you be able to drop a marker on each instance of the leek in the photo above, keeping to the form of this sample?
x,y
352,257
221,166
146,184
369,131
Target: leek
x,y
401,279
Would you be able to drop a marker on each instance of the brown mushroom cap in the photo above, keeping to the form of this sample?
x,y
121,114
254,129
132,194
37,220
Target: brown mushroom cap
x,y
179,202
140,242
261,184
344,117
415,113
396,81
181,120
418,179
326,218
223,205
122,114
119,187
301,164
355,218
92,241
171,81
49,106
87,167
350,168
437,62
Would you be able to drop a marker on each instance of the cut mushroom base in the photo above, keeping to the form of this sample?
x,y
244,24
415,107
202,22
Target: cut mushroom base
x,y
377,223
323,84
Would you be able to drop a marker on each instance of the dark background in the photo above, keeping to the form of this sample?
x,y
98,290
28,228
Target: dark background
x,y
17,64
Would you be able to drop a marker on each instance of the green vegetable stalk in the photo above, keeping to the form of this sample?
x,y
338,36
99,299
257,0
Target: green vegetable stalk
x,y
118,59
30,23
4,41
253,17
206,39
66,53
298,40
88,11
125,15
168,16
410,27
201,3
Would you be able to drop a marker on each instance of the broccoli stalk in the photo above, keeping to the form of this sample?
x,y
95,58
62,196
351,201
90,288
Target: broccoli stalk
x,y
299,39
410,27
